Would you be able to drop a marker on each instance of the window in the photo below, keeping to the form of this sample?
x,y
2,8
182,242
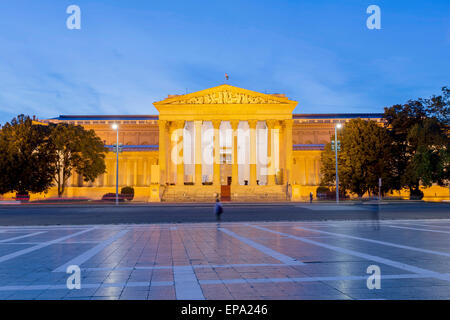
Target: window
x,y
225,158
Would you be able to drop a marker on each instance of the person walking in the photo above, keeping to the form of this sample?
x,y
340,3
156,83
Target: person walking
x,y
310,197
218,209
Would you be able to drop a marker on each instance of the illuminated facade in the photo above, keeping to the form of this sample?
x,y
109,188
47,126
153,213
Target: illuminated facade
x,y
224,141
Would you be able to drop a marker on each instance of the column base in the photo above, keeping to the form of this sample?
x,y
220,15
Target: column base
x,y
271,180
198,174
234,177
180,175
216,175
253,176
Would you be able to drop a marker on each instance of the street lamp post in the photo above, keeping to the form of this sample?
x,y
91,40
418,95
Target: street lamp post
x,y
338,126
115,126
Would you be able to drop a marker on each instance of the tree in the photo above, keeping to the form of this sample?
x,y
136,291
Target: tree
x,y
26,157
419,131
365,157
77,150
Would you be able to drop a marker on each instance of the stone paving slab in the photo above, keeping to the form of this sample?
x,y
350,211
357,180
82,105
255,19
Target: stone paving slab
x,y
245,261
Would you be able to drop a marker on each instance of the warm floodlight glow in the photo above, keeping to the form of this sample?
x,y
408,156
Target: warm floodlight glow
x,y
339,125
115,126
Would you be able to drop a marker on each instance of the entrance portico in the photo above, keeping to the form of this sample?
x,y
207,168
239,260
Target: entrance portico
x,y
225,136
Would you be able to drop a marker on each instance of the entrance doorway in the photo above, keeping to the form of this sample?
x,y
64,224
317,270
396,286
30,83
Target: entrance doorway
x,y
225,190
225,193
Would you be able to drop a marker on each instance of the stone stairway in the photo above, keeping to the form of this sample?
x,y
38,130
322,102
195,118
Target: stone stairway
x,y
190,193
274,193
208,193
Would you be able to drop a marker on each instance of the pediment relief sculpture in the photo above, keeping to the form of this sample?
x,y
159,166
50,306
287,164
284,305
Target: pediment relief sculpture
x,y
226,97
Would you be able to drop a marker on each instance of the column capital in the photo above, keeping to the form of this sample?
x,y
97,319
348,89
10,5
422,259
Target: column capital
x,y
164,124
288,123
179,124
172,125
234,124
271,123
216,123
252,123
278,124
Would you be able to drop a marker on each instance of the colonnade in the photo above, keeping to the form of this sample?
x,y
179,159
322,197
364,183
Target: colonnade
x,y
134,171
171,151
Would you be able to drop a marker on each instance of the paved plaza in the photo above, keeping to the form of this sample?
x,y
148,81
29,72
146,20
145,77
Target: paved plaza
x,y
257,260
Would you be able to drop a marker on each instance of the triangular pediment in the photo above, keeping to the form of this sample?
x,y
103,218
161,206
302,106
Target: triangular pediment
x,y
225,94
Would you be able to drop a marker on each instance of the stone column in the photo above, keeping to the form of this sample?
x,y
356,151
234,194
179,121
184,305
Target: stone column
x,y
170,164
180,154
135,173
282,149
162,151
288,141
252,126
216,153
270,153
279,141
198,152
127,178
234,166
305,171
106,175
317,171
145,174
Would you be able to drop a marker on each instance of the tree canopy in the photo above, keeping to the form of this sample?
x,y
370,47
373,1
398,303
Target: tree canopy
x,y
363,159
77,150
35,157
412,149
26,157
419,131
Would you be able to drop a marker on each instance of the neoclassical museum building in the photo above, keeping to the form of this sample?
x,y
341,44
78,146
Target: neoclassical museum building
x,y
225,142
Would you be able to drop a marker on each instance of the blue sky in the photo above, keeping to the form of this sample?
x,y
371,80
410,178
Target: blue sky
x,y
130,53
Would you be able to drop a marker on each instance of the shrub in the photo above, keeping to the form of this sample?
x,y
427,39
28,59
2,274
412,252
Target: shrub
x,y
127,193
323,193
322,189
416,194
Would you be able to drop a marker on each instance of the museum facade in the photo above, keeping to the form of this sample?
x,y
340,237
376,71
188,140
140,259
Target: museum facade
x,y
225,141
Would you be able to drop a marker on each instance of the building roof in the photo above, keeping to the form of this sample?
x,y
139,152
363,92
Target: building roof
x,y
337,116
106,117
156,117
